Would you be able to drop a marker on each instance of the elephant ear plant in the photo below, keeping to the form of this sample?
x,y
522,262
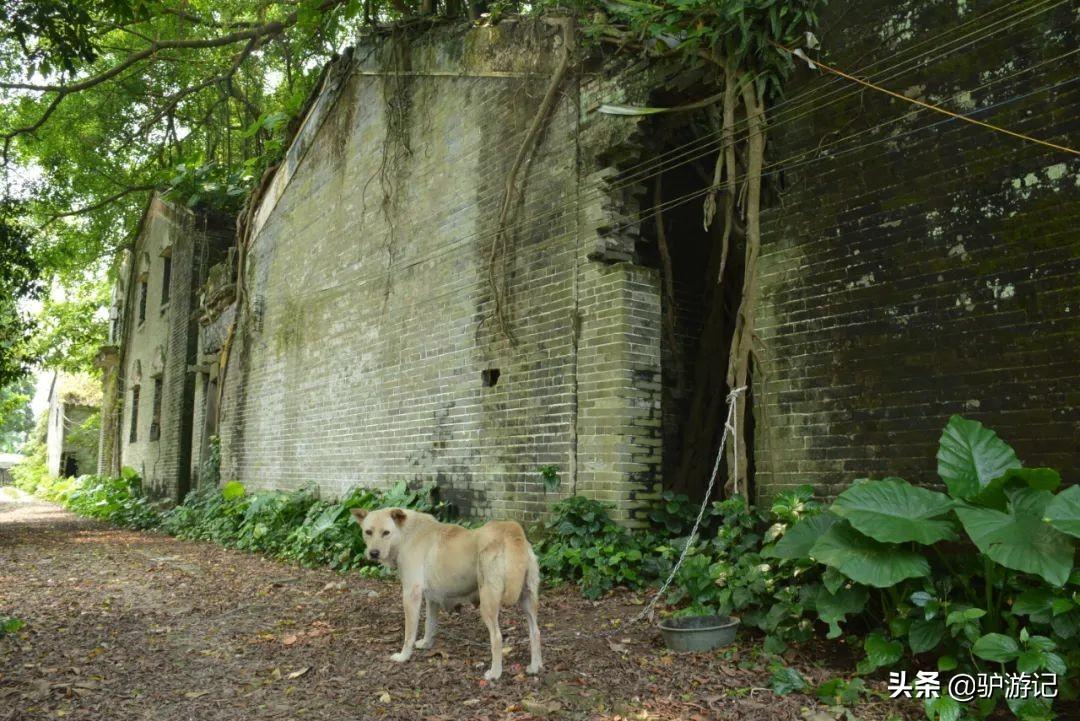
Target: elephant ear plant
x,y
976,579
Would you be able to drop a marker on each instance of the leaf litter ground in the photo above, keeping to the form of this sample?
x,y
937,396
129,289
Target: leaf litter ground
x,y
129,625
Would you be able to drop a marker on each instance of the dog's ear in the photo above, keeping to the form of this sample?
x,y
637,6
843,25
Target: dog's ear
x,y
359,514
399,517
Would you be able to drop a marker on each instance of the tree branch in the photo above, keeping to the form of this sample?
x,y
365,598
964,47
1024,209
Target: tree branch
x,y
266,30
174,100
98,205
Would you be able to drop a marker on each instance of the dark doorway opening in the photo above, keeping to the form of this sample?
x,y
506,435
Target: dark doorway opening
x,y
69,466
698,304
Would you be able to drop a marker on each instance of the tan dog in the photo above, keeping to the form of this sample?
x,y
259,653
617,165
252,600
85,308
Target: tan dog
x,y
444,564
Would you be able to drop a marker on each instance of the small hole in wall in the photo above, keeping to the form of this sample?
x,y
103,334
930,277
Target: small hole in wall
x,y
490,377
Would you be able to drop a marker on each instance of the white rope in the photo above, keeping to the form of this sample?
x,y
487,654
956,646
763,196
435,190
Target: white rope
x,y
730,425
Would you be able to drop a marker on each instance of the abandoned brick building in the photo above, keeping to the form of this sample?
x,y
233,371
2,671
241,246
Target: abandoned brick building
x,y
71,447
148,402
387,326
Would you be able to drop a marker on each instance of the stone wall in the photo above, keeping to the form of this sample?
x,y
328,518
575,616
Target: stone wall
x,y
915,267
371,352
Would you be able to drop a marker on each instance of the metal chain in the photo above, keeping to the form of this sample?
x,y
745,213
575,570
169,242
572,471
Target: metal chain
x,y
729,426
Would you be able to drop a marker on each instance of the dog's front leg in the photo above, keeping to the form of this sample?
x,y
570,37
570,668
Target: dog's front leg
x,y
411,595
431,623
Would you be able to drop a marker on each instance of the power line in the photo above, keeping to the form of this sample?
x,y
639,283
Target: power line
x,y
687,153
706,144
650,212
943,111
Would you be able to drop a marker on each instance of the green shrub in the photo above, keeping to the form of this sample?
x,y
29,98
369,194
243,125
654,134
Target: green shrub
x,y
118,500
582,543
977,579
730,573
291,525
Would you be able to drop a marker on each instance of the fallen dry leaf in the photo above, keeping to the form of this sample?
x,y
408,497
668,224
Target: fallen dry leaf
x,y
301,672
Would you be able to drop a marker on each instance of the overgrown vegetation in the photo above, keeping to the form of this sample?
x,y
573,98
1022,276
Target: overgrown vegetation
x,y
103,102
290,525
976,580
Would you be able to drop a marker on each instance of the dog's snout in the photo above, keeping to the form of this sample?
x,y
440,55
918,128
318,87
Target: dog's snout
x,y
373,553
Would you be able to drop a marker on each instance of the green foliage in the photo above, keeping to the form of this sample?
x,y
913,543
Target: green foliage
x,y
700,31
55,35
1004,595
117,500
1063,512
210,473
290,525
294,525
16,418
70,328
33,471
581,543
785,680
674,515
87,435
10,624
842,692
550,476
19,282
736,572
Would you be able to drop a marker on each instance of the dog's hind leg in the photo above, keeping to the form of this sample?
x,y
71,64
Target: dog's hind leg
x,y
530,602
490,598
431,624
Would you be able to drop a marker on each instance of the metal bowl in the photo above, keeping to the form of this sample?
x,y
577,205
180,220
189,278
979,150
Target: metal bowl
x,y
698,633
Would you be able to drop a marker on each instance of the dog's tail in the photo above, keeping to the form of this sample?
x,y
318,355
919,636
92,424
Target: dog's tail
x,y
522,572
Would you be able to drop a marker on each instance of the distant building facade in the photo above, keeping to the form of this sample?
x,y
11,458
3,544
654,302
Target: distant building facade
x,y
148,367
71,435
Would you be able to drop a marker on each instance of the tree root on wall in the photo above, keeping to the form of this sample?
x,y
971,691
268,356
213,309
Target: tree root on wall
x,y
742,338
512,192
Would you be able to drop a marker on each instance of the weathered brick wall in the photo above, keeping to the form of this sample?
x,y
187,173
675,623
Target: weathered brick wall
x,y
916,268
371,320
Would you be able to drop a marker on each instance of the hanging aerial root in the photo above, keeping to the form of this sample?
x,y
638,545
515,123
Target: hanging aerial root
x,y
511,194
742,338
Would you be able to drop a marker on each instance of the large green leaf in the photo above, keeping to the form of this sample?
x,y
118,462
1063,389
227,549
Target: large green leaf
x,y
1063,512
232,490
832,608
925,635
801,537
994,494
879,652
895,511
865,560
1020,539
996,647
970,456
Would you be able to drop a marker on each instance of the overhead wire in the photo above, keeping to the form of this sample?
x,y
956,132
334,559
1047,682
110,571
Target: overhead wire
x,y
704,145
770,170
664,162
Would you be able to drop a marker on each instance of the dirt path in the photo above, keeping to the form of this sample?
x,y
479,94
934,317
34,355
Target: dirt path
x,y
123,625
